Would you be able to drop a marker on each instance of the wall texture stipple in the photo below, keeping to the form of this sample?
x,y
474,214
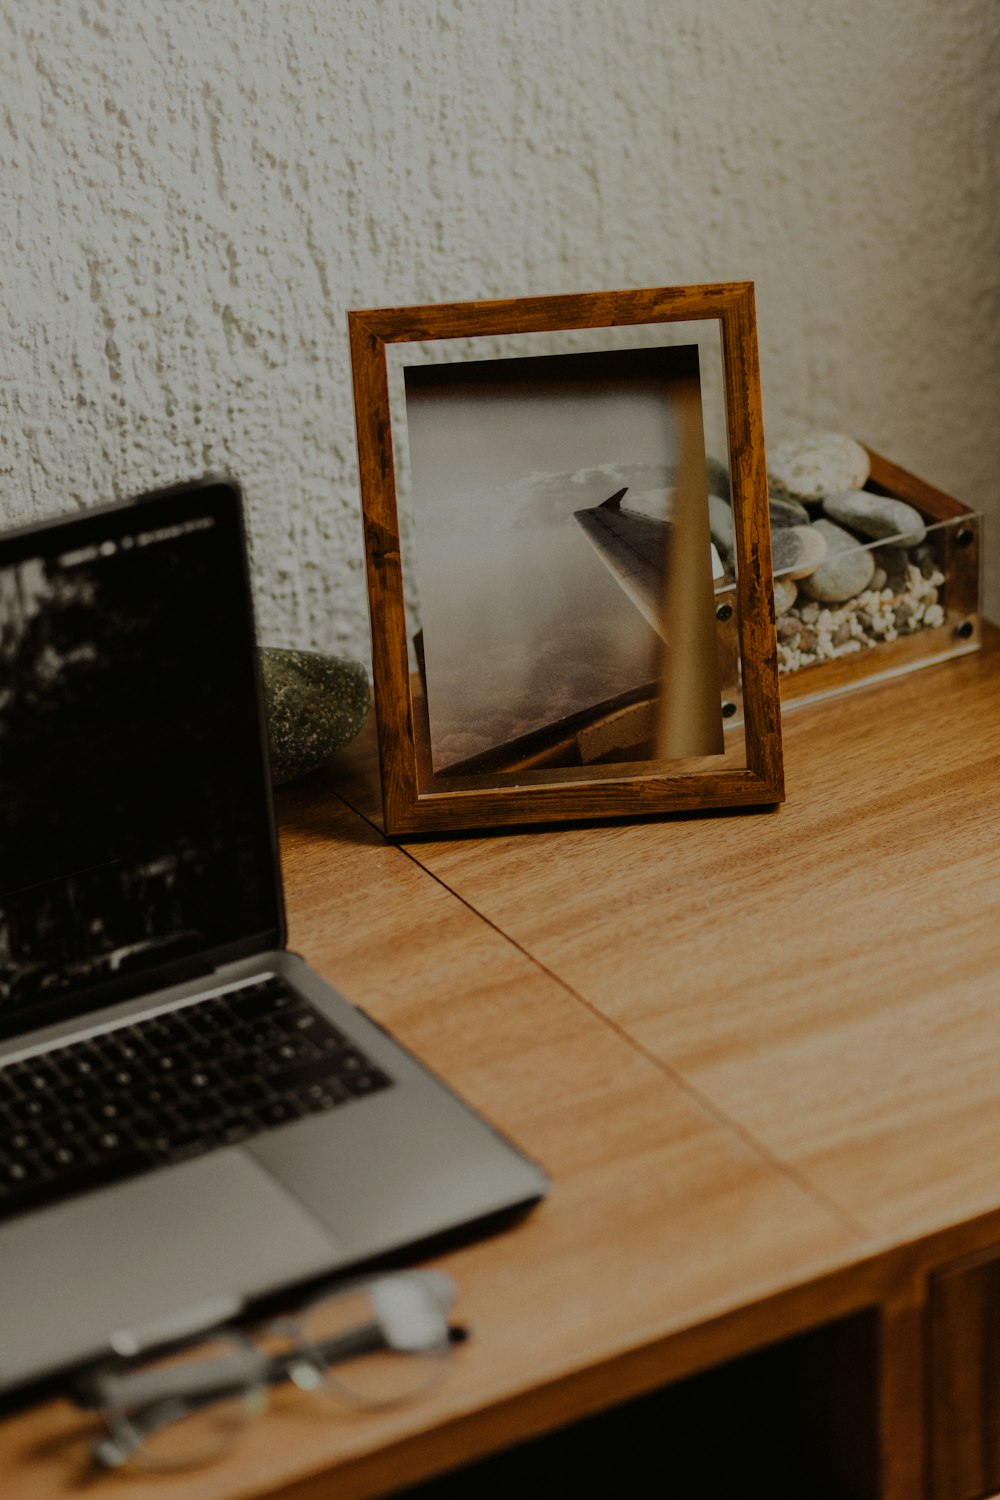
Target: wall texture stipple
x,y
192,194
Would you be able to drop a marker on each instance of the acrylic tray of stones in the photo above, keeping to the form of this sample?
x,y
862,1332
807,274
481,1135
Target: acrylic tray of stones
x,y
920,605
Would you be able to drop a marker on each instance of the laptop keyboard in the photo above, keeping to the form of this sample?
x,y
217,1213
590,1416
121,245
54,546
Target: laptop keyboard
x,y
163,1090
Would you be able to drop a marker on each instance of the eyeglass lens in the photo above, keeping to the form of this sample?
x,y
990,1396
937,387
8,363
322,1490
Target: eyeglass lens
x,y
194,1421
375,1346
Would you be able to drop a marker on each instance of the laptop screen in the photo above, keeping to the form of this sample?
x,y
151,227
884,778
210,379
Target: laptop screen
x,y
135,824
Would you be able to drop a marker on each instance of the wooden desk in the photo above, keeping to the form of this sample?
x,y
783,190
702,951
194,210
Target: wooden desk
x,y
759,1055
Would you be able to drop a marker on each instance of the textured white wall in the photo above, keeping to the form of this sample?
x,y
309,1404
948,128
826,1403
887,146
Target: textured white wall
x,y
192,193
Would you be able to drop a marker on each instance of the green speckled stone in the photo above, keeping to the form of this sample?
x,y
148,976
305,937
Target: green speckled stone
x,y
315,705
718,477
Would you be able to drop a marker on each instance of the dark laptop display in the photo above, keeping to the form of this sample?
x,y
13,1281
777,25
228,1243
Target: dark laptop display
x,y
133,825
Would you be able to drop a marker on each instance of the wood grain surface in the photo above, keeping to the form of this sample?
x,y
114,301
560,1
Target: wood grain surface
x,y
823,973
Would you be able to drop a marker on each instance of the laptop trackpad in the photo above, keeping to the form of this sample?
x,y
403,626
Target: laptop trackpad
x,y
144,1250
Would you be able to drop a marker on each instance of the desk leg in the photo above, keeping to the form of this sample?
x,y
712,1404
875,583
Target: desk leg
x,y
903,1393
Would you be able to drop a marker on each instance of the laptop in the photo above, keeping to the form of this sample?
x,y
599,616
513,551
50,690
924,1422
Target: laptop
x,y
190,1118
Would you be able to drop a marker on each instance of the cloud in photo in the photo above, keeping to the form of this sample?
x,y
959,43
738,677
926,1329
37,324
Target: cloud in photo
x,y
542,500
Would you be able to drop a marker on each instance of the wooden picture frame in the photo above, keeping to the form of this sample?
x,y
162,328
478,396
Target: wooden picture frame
x,y
417,798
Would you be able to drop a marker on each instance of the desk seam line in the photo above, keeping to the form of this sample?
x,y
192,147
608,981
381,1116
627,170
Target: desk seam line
x,y
759,1149
789,1172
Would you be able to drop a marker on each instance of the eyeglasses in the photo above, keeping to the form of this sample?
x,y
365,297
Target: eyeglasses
x,y
372,1344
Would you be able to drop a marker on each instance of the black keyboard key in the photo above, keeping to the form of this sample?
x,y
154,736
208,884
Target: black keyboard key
x,y
103,1142
208,1019
259,1000
119,1051
31,1138
9,1090
277,1112
322,1096
165,1032
84,1090
244,1094
292,1050
40,1077
202,1080
22,1171
290,1080
28,1111
307,1023
201,1113
206,1049
154,1131
133,1044
108,1110
263,1034
63,1158
366,1081
19,1075
65,1126
240,1070
80,1063
114,1053
247,1065
329,1040
174,1061
157,1093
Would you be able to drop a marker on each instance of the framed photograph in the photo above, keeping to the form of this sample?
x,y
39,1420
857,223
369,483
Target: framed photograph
x,y
555,633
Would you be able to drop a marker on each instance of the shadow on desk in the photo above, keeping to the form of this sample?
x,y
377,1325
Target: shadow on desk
x,y
793,1421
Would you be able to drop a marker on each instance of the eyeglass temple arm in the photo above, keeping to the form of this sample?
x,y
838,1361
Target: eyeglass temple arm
x,y
244,1368
124,1390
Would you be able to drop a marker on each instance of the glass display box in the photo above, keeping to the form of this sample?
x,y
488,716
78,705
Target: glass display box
x,y
921,605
